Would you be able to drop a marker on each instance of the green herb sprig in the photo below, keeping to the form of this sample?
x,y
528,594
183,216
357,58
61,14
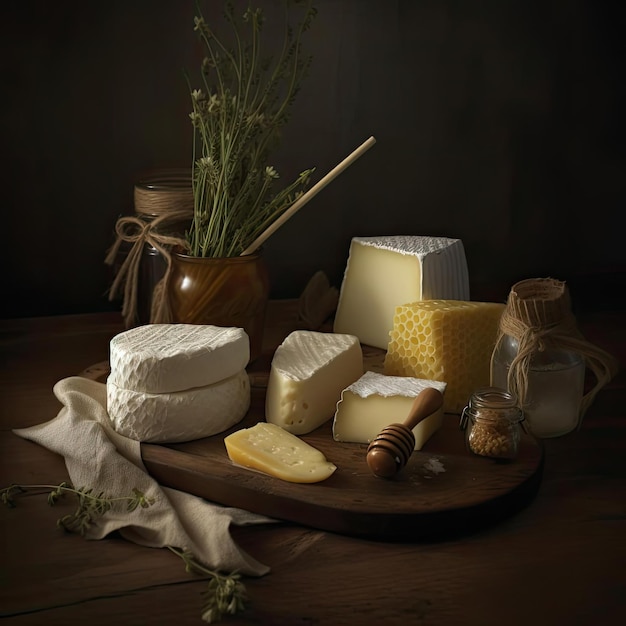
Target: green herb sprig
x,y
90,504
225,594
237,117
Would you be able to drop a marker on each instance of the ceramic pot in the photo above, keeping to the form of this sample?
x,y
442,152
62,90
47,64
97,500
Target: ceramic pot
x,y
229,291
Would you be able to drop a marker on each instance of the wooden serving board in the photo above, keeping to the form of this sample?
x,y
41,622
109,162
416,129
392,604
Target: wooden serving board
x,y
443,491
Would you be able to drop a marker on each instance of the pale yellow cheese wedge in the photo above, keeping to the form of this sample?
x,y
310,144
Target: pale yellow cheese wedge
x,y
308,373
375,401
272,450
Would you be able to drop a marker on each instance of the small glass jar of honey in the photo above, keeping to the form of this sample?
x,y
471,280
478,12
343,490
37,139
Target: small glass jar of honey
x,y
492,422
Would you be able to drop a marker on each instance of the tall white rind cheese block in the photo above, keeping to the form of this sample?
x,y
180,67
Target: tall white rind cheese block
x,y
308,373
165,358
385,272
181,415
375,401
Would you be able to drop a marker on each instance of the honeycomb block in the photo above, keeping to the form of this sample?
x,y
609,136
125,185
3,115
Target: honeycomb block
x,y
445,340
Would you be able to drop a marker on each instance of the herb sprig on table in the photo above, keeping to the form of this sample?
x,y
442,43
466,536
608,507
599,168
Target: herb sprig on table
x,y
90,505
225,592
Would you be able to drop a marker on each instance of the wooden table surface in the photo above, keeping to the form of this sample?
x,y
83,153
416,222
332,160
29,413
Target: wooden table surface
x,y
561,560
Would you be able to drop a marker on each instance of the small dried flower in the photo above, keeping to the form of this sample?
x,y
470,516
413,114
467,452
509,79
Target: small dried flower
x,y
199,24
196,119
214,103
270,172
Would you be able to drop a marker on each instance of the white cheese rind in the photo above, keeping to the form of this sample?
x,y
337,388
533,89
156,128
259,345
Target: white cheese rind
x,y
181,415
375,401
272,450
165,358
384,272
308,373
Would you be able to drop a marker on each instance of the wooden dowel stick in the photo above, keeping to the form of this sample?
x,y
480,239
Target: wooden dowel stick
x,y
302,200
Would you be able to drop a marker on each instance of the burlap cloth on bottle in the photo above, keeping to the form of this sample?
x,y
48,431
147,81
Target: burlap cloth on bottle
x,y
97,456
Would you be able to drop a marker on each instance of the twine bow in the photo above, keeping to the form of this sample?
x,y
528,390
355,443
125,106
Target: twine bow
x,y
139,232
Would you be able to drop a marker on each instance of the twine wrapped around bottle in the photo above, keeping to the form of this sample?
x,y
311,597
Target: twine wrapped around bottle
x,y
538,316
161,202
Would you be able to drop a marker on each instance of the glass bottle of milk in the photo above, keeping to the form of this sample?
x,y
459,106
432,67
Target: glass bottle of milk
x,y
554,386
540,356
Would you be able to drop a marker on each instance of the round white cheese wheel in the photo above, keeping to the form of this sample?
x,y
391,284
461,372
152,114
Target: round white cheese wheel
x,y
179,416
163,358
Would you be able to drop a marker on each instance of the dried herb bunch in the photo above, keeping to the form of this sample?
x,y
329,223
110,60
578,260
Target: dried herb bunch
x,y
244,101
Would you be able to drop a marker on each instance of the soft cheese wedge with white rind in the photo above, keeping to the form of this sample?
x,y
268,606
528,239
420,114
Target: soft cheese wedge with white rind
x,y
181,415
309,371
385,272
375,401
164,358
272,450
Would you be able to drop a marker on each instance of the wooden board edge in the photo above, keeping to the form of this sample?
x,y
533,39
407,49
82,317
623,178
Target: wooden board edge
x,y
170,468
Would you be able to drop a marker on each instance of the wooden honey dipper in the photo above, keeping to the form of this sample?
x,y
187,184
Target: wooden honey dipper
x,y
389,452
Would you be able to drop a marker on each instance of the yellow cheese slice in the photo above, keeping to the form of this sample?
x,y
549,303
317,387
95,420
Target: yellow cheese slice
x,y
272,450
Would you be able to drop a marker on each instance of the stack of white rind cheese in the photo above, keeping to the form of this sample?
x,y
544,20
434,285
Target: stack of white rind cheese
x,y
177,382
384,272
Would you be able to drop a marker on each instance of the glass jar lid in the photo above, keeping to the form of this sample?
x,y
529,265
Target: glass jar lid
x,y
493,398
492,404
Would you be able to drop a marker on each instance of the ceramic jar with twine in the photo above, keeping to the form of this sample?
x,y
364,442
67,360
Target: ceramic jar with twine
x,y
161,284
163,203
542,357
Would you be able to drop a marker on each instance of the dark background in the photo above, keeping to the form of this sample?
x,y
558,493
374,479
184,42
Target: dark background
x,y
498,122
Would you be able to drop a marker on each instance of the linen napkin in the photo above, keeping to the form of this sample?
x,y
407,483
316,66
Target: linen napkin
x,y
97,456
